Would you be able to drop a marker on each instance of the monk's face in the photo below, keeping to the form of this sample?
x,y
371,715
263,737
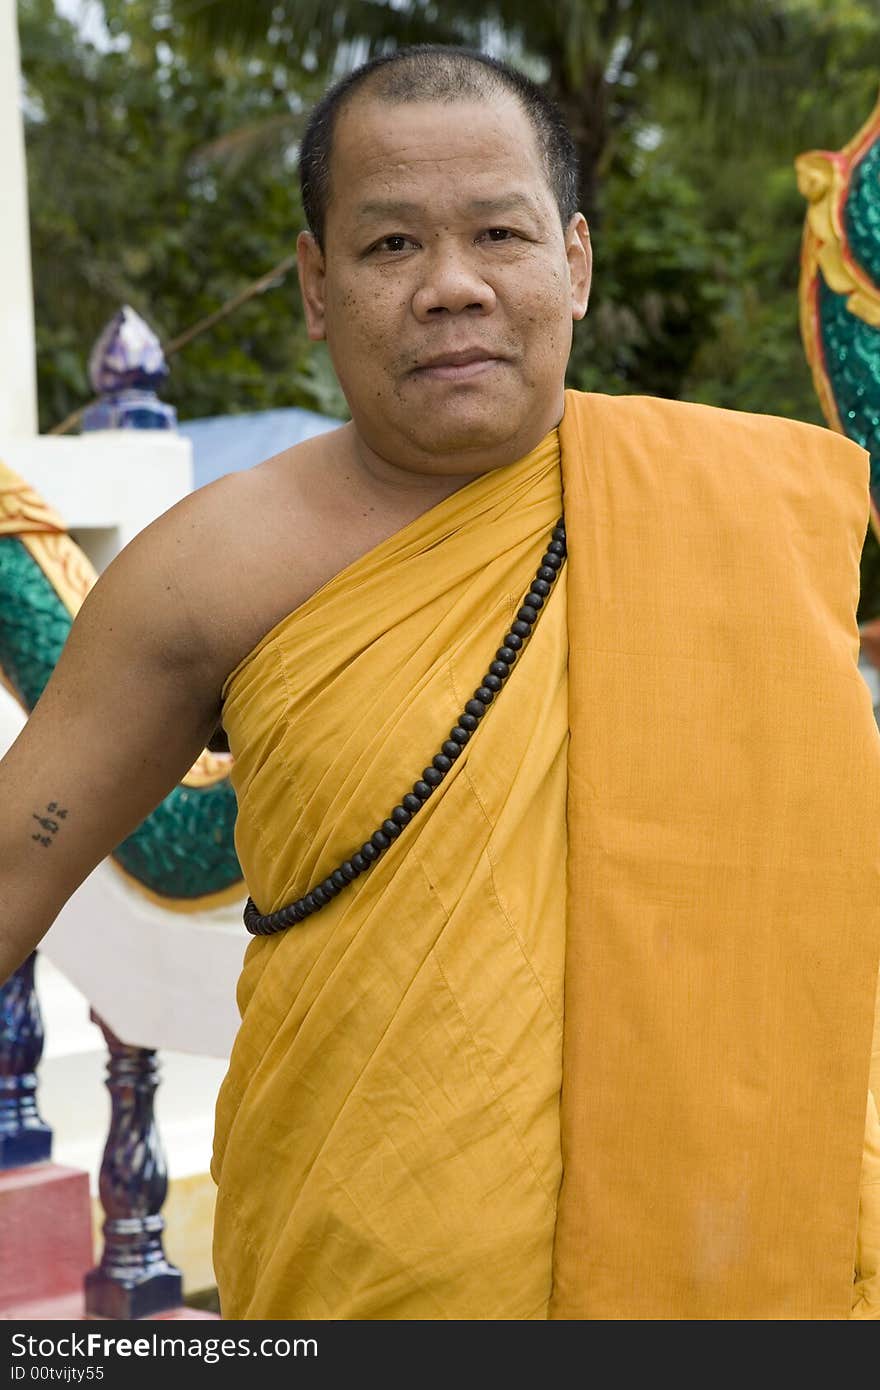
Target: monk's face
x,y
447,286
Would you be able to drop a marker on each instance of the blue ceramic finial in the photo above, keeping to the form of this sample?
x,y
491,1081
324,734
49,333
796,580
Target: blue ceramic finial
x,y
125,367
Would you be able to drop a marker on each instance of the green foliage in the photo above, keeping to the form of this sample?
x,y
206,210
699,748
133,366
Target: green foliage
x,y
869,596
179,183
658,283
125,208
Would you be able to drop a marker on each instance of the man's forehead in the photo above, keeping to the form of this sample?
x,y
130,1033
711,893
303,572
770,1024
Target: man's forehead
x,y
446,159
498,205
372,134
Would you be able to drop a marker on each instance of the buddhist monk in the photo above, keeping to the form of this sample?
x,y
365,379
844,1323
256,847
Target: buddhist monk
x,y
558,783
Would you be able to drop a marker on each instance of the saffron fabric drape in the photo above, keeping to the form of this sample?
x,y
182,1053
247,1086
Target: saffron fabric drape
x,y
669,818
388,1133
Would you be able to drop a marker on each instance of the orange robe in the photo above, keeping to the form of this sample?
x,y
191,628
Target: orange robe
x,y
669,817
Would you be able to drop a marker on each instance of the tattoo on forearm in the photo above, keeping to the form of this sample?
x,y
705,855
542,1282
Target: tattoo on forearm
x,y
49,822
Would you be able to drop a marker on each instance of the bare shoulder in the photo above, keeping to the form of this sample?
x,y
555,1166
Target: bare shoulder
x,y
234,557
240,554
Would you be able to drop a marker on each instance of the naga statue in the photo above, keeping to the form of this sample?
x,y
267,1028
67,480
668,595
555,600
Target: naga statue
x,y
840,287
182,856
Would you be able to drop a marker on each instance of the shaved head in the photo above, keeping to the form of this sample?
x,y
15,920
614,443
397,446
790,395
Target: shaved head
x,y
439,74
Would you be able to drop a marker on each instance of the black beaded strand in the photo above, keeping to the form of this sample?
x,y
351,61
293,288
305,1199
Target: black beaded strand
x,y
465,726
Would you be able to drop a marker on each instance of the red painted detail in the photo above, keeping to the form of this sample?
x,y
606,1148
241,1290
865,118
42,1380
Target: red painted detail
x,y
847,163
45,1233
70,1307
46,1247
181,1314
65,1307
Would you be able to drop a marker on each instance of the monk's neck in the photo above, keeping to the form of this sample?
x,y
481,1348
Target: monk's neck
x,y
388,480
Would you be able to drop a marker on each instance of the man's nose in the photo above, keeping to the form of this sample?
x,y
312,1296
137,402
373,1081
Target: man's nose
x,y
452,284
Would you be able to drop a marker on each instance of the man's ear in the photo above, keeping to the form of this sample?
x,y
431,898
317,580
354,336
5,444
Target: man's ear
x,y
579,251
310,268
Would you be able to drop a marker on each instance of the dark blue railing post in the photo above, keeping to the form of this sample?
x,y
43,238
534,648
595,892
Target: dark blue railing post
x,y
133,1279
24,1137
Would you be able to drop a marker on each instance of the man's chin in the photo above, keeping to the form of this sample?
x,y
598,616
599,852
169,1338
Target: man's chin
x,y
464,426
466,447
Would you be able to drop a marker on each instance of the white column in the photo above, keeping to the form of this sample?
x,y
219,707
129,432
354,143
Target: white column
x,y
18,375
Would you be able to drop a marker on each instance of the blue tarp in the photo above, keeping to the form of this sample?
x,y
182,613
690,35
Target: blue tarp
x,y
227,443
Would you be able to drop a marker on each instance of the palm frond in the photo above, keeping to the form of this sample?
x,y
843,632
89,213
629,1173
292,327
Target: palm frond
x,y
235,147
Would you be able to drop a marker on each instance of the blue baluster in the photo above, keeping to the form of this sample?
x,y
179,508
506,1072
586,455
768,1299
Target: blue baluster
x,y
24,1136
134,1279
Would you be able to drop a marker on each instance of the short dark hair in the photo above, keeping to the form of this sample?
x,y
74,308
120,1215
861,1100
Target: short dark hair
x,y
435,72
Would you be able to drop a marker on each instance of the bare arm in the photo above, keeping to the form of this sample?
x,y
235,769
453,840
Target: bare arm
x,y
129,707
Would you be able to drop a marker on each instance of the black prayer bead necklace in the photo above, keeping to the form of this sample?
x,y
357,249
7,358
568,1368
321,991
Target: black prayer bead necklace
x,y
465,727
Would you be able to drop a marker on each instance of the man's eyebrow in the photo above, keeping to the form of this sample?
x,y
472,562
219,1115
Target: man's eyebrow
x,y
511,202
393,207
386,208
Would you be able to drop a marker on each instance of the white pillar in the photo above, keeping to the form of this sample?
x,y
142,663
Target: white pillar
x,y
18,374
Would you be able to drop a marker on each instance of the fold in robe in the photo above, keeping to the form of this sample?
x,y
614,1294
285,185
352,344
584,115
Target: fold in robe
x,y
669,817
388,1133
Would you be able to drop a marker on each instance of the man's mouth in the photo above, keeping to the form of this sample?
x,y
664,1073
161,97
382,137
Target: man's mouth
x,y
458,366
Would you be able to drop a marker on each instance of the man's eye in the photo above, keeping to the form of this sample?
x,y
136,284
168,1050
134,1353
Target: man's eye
x,y
392,243
499,233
